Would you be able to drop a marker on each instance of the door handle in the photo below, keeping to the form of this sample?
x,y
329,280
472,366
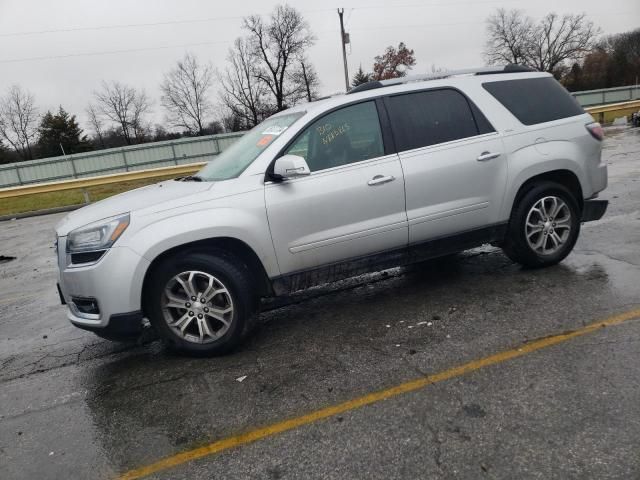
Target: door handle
x,y
484,156
380,179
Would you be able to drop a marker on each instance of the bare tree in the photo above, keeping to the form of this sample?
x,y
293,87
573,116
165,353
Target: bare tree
x,y
184,94
558,39
96,122
18,120
509,36
267,70
141,106
279,45
546,46
126,107
243,93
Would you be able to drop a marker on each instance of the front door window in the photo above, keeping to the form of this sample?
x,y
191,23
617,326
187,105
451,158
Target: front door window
x,y
351,134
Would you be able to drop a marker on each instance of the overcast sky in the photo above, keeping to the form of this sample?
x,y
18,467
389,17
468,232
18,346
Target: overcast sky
x,y
61,50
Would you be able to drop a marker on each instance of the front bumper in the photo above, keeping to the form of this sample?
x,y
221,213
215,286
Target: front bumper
x,y
115,282
593,210
121,326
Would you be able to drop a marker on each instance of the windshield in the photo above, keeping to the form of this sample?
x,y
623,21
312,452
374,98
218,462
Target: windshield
x,y
235,159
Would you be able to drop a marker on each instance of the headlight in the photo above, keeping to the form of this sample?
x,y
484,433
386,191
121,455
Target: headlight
x,y
97,236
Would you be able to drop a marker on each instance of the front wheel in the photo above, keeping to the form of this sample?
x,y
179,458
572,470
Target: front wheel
x,y
201,304
543,227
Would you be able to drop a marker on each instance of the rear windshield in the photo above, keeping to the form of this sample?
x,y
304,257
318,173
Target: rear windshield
x,y
535,100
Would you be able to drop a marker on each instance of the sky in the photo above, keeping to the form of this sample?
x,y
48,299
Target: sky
x,y
62,50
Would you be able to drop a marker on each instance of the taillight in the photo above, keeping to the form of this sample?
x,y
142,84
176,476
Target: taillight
x,y
596,130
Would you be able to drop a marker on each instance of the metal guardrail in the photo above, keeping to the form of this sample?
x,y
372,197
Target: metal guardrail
x,y
601,113
82,183
603,96
608,113
613,107
115,160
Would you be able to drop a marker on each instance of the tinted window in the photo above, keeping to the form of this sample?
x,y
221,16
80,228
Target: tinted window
x,y
535,100
436,116
481,121
348,135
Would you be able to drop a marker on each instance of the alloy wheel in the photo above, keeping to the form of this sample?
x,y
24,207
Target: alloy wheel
x,y
197,307
548,225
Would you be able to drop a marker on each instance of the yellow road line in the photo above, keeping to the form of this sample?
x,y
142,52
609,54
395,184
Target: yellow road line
x,y
323,413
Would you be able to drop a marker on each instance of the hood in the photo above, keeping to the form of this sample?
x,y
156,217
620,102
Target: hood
x,y
132,201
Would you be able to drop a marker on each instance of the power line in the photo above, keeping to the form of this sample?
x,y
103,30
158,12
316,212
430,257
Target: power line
x,y
442,4
237,17
186,45
127,50
109,27
346,22
417,25
447,24
136,25
109,52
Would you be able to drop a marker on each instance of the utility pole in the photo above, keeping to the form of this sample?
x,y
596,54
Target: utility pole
x,y
344,38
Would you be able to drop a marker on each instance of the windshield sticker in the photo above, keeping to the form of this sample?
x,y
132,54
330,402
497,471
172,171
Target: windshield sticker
x,y
264,141
275,130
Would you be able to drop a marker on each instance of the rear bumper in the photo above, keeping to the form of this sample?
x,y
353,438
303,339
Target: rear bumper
x,y
594,210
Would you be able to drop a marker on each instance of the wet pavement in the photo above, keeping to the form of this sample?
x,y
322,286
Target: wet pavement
x,y
75,406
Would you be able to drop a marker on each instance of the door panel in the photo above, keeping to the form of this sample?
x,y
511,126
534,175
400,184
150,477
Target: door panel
x,y
448,190
334,214
453,160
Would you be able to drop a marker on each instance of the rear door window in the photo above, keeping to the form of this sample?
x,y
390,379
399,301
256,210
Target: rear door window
x,y
427,118
535,100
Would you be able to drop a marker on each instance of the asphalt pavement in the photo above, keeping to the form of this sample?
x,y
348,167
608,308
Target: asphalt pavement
x,y
562,402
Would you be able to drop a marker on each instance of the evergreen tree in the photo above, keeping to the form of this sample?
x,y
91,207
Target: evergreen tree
x,y
360,77
61,129
4,154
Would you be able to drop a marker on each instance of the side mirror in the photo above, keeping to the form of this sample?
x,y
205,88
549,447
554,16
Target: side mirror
x,y
291,166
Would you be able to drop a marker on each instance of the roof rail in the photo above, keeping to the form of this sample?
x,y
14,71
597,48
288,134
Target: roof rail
x,y
510,68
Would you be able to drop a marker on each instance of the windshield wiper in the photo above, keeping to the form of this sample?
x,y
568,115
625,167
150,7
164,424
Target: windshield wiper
x,y
191,178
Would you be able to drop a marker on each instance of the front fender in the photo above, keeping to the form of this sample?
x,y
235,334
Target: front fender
x,y
247,225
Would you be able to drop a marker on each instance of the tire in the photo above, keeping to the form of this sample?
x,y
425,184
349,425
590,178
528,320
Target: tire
x,y
519,249
233,281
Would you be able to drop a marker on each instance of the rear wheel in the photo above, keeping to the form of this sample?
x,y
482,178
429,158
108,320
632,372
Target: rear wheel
x,y
543,227
202,304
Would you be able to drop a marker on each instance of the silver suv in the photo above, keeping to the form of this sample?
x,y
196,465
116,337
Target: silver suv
x,y
395,172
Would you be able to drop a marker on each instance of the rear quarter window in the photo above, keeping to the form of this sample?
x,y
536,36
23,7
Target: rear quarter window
x,y
534,100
